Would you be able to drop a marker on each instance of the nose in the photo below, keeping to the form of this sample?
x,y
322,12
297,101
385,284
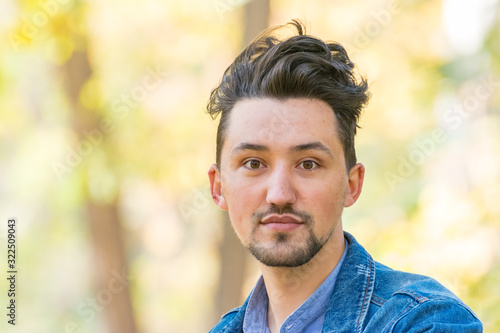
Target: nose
x,y
280,189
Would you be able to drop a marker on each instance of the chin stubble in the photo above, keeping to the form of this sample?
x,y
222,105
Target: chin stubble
x,y
284,252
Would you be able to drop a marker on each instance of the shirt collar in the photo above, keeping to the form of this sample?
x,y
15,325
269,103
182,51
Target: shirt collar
x,y
255,319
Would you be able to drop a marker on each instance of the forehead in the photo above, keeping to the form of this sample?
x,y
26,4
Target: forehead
x,y
282,123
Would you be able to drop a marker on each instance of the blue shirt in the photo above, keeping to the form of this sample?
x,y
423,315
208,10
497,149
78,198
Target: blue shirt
x,y
369,297
307,318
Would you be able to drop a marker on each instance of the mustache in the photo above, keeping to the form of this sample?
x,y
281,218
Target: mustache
x,y
306,218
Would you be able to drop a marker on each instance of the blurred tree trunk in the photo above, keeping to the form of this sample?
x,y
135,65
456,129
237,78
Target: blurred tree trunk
x,y
112,292
233,255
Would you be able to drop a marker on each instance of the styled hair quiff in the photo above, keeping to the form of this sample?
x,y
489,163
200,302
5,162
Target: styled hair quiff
x,y
300,66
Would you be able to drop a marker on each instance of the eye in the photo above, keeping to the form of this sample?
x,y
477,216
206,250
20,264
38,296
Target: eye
x,y
309,165
253,164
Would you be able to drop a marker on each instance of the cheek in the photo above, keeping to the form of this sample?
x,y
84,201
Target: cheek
x,y
325,202
242,202
241,193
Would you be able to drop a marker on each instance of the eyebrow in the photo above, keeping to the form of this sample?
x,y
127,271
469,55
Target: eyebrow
x,y
303,147
312,146
249,146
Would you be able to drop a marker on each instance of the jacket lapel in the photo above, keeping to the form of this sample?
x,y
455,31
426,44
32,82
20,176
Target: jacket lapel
x,y
352,293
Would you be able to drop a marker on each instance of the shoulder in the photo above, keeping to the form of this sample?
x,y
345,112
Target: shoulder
x,y
389,282
405,302
395,301
227,322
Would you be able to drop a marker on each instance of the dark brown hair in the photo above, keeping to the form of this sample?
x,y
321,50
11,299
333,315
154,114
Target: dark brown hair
x,y
300,66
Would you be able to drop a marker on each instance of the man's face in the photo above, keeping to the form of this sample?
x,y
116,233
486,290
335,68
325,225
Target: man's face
x,y
282,178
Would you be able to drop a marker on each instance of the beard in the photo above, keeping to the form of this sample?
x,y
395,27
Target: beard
x,y
286,252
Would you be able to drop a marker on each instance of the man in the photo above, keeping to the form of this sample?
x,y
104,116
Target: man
x,y
285,169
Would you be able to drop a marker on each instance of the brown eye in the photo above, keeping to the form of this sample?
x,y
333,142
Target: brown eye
x,y
253,164
308,165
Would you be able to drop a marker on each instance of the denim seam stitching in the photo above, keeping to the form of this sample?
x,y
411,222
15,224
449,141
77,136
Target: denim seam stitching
x,y
419,298
378,300
402,314
364,299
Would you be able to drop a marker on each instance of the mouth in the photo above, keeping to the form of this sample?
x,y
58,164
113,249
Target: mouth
x,y
281,223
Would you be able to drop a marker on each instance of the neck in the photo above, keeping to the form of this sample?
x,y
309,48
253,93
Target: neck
x,y
289,287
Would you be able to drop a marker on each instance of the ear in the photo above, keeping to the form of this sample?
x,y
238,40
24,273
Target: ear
x,y
356,177
216,187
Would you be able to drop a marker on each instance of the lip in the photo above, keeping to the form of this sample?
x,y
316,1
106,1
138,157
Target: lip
x,y
285,218
281,223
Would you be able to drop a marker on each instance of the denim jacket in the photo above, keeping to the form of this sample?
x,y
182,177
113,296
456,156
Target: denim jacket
x,y
370,297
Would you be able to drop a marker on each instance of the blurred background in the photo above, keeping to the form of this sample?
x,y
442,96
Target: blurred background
x,y
105,147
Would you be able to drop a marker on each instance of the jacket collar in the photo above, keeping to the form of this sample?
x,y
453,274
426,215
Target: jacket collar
x,y
352,293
